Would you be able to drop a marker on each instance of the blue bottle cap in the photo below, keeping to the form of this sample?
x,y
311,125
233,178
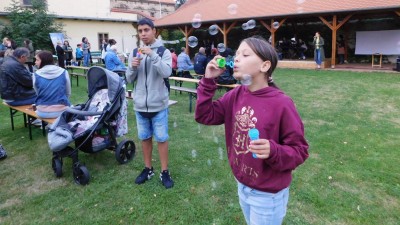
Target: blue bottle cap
x,y
254,134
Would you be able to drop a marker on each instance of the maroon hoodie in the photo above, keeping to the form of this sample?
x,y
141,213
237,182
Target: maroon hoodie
x,y
274,115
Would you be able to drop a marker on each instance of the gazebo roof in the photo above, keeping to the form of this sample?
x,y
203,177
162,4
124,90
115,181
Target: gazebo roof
x,y
223,10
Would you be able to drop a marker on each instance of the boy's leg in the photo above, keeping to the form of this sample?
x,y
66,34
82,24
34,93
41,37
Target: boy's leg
x,y
147,146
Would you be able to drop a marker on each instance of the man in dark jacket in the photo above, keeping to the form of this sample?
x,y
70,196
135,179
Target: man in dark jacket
x,y
200,61
15,80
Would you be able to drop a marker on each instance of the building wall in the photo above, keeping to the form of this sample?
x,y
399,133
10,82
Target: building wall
x,y
123,33
151,8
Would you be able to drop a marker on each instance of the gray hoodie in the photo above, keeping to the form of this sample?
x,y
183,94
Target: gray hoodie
x,y
151,94
51,72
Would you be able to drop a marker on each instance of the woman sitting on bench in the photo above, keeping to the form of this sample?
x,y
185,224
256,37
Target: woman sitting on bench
x,y
52,86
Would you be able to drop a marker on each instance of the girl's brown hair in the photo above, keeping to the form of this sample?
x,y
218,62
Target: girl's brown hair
x,y
266,53
46,58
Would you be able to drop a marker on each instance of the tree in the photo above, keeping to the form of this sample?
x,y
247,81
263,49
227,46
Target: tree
x,y
178,3
33,23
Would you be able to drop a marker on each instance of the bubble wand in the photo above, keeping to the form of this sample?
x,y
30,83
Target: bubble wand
x,y
254,134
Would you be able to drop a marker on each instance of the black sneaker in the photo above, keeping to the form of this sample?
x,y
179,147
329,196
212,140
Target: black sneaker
x,y
166,179
3,153
145,175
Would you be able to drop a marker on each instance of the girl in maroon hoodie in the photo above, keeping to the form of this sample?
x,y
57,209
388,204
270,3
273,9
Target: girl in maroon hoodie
x,y
261,167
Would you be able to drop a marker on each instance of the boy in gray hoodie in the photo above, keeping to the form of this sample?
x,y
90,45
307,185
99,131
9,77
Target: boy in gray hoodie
x,y
149,69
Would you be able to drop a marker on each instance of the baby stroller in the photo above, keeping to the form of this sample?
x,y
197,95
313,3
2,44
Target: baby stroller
x,y
93,126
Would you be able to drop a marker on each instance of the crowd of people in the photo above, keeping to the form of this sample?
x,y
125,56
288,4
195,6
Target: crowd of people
x,y
262,166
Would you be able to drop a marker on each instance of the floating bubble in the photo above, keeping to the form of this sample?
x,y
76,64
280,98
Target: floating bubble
x,y
196,22
192,41
300,10
245,26
221,153
215,139
232,9
300,1
213,29
209,162
194,153
221,47
275,25
198,128
251,24
175,124
213,185
246,79
197,15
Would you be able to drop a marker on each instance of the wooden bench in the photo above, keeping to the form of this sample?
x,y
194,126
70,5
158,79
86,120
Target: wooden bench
x,y
76,74
191,91
96,55
29,114
170,102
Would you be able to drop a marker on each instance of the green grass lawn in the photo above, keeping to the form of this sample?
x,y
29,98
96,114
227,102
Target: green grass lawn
x,y
352,123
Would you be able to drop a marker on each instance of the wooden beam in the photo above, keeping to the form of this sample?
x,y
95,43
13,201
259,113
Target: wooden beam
x,y
231,26
326,22
344,21
397,12
266,25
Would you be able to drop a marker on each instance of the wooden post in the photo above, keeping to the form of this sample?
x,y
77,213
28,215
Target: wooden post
x,y
186,33
334,27
271,29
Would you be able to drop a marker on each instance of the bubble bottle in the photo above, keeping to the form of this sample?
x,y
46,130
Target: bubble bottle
x,y
254,134
221,63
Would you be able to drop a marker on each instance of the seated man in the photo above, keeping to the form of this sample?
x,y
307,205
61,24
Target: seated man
x,y
184,64
15,80
200,61
112,60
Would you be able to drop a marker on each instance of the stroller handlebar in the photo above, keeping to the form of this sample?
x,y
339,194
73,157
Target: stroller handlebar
x,y
83,113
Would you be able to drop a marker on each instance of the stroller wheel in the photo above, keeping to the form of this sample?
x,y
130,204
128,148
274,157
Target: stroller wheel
x,y
56,164
81,174
125,151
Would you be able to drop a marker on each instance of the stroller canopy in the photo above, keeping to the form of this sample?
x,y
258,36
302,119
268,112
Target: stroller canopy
x,y
100,78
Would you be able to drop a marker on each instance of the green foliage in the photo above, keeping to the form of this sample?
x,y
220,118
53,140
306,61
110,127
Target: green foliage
x,y
33,23
171,35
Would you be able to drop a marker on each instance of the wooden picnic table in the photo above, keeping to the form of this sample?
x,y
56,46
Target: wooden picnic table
x,y
28,113
192,80
76,74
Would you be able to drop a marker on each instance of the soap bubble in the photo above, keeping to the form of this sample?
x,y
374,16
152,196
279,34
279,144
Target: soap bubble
x,y
221,47
275,25
213,29
232,9
246,79
197,15
251,24
192,41
196,22
245,26
300,10
300,1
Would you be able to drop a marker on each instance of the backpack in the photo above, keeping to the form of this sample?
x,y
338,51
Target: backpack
x,y
160,52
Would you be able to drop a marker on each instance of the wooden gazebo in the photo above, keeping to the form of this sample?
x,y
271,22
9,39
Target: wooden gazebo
x,y
271,14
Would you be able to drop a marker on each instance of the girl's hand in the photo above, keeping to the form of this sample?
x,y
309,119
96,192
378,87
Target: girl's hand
x,y
261,148
212,69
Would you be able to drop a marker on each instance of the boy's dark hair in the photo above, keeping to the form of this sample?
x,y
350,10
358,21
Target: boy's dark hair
x,y
46,58
146,21
265,51
172,50
78,45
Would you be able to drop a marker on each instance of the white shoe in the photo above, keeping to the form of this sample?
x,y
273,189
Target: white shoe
x,y
37,122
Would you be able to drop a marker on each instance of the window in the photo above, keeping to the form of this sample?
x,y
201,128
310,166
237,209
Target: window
x,y
101,37
27,2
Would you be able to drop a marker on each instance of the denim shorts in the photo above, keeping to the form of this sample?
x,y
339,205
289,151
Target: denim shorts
x,y
262,207
157,126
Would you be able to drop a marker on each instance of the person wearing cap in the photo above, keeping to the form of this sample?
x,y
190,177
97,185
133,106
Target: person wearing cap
x,y
148,68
